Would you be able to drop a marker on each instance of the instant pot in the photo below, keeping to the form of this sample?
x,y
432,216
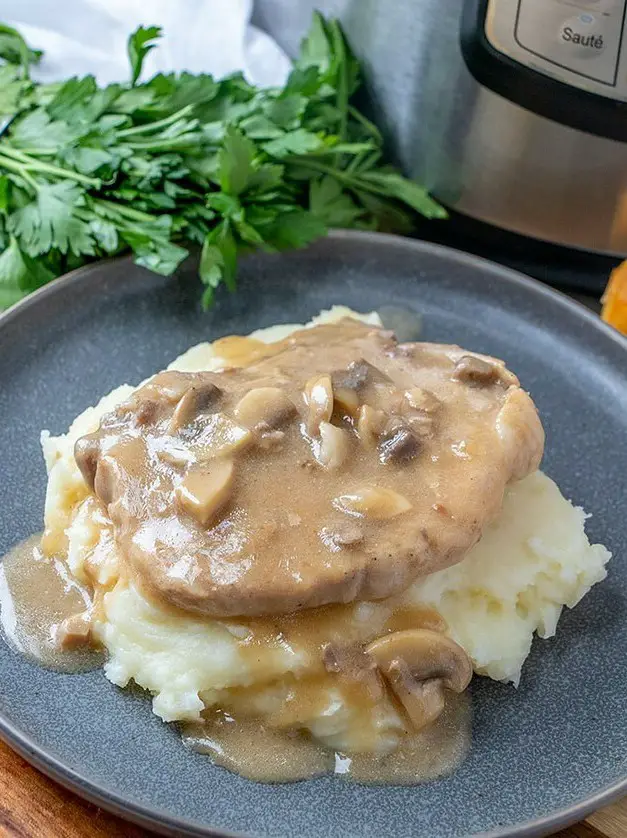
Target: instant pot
x,y
511,112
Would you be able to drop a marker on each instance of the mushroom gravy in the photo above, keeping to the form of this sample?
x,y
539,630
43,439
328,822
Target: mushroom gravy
x,y
276,747
272,755
333,466
37,594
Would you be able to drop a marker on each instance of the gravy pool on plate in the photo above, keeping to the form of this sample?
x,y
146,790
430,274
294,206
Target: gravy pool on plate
x,y
280,539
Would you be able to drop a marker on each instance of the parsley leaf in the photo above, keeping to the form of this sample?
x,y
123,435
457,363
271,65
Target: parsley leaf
x,y
12,272
50,221
105,234
286,110
37,130
332,205
15,50
72,98
299,141
218,260
295,229
407,191
314,49
19,274
235,161
12,89
139,45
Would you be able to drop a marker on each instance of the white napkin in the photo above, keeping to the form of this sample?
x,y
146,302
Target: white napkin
x,y
200,36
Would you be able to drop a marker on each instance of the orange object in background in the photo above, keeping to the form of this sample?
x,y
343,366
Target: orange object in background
x,y
614,299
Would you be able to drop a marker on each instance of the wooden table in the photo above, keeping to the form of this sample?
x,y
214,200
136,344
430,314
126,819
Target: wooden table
x,y
32,806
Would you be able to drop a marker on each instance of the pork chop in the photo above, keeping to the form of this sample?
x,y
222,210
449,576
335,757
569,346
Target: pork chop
x,y
335,465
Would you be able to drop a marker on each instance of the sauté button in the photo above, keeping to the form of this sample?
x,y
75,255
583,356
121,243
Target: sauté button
x,y
583,35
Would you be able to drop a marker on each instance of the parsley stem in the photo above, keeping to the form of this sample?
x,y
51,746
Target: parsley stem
x,y
124,211
369,126
14,166
149,127
39,152
66,174
351,181
173,142
363,162
314,165
46,168
342,94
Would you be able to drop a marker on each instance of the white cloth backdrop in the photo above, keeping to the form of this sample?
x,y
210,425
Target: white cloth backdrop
x,y
89,36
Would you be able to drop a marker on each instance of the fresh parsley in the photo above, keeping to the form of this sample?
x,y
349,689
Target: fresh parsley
x,y
183,161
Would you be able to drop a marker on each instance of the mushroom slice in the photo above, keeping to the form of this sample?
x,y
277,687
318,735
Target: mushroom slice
x,y
174,452
341,535
423,701
347,385
86,454
421,424
147,412
198,399
346,401
355,375
216,436
405,350
268,438
473,370
74,631
206,489
419,665
370,425
169,386
422,400
333,447
399,443
319,400
107,479
361,373
373,502
264,405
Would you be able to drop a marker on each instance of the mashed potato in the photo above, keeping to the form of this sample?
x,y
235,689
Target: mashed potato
x,y
534,559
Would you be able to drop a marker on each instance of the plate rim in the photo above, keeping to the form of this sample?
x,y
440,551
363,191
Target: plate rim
x,y
160,820
505,273
163,823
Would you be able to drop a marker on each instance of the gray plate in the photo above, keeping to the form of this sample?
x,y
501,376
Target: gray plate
x,y
543,755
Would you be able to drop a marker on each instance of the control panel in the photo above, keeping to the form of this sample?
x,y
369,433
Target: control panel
x,y
579,42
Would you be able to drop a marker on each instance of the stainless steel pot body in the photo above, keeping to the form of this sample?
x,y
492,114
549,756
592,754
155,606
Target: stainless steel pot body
x,y
476,150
